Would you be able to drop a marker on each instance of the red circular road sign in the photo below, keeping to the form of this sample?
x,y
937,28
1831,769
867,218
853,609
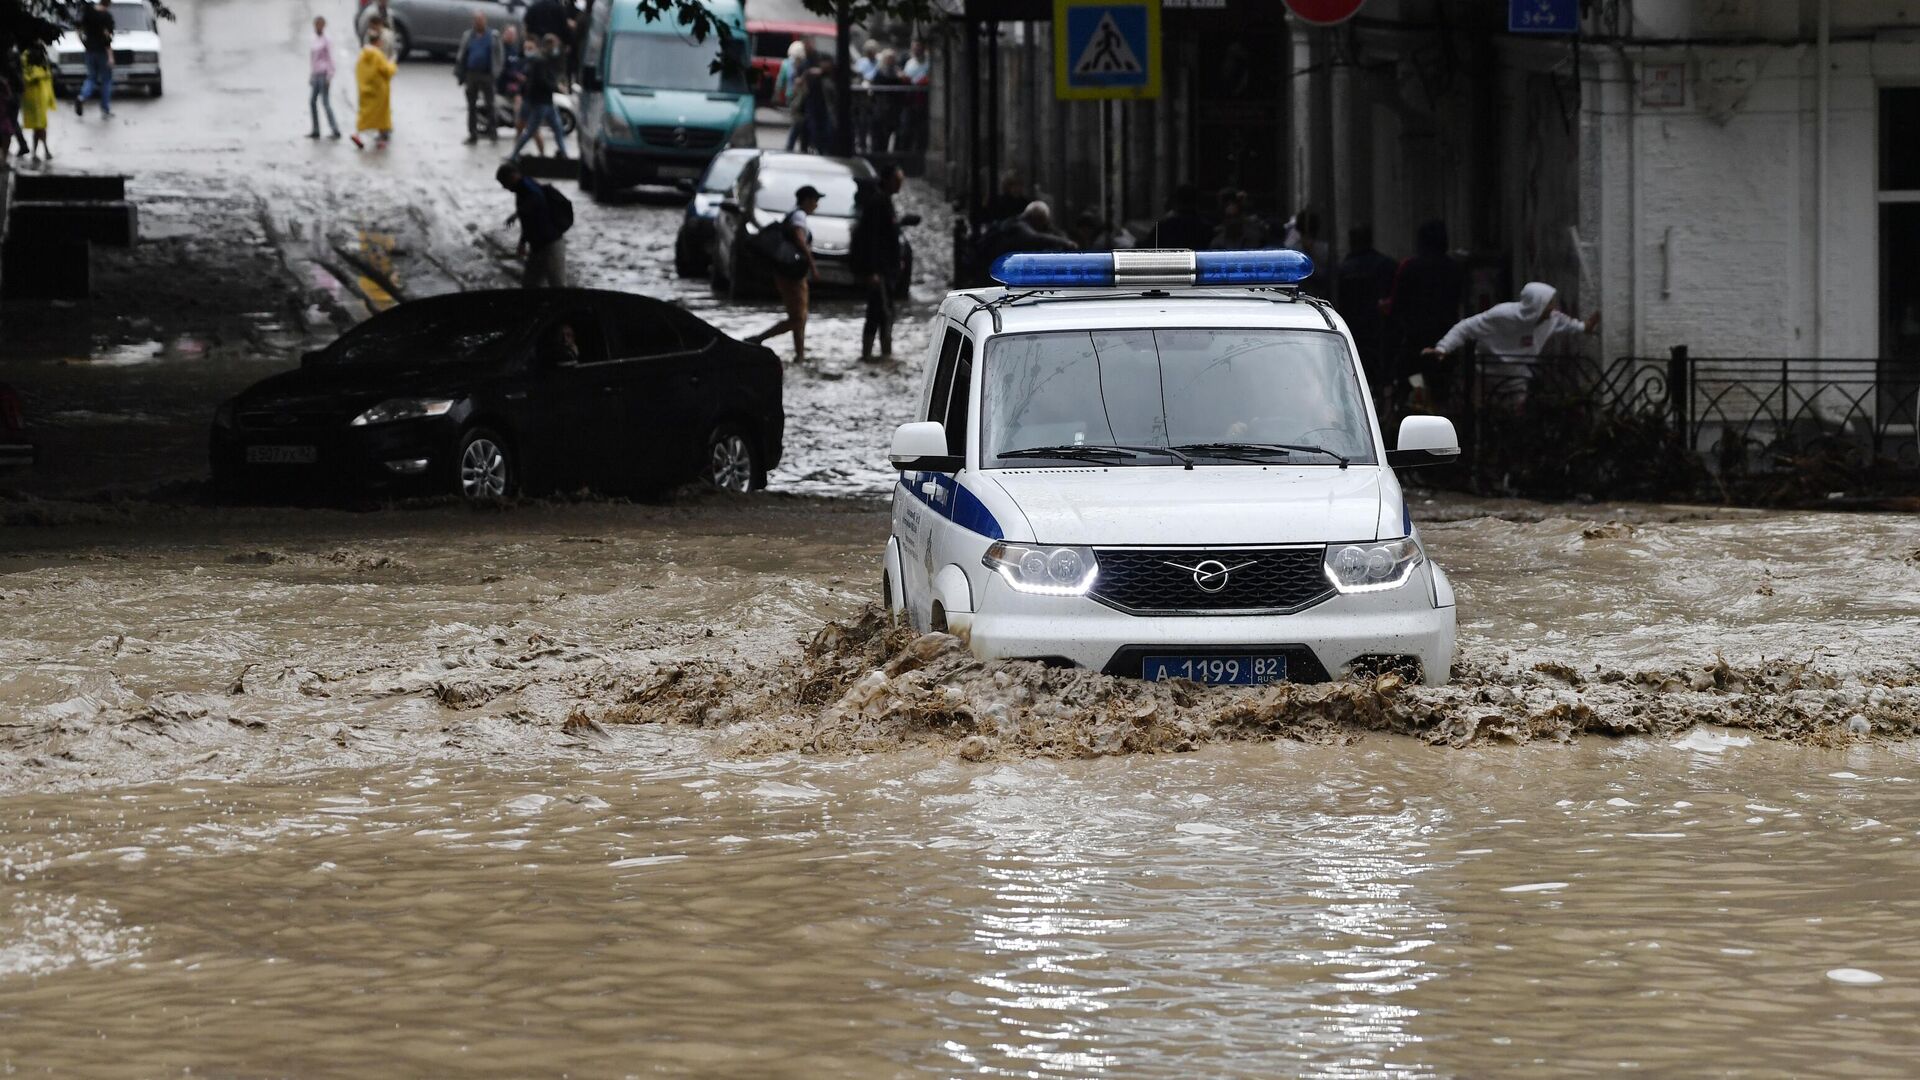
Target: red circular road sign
x,y
1324,12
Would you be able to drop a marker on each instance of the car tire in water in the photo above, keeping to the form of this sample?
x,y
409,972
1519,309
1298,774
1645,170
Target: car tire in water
x,y
732,463
156,88
484,466
567,122
403,44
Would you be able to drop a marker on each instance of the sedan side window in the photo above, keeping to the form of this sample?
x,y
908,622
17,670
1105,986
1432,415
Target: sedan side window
x,y
573,338
641,329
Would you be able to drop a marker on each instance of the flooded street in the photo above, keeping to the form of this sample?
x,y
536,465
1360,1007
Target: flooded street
x,y
403,788
585,787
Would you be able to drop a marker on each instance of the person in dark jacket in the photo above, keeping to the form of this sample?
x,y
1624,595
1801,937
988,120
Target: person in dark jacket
x,y
1185,225
542,242
96,37
876,258
1361,286
544,70
1427,293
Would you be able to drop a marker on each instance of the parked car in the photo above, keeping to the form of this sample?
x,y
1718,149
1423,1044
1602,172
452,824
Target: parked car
x,y
763,195
485,394
691,249
652,108
770,43
15,448
136,52
435,26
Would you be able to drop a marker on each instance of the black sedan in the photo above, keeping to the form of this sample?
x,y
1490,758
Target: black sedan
x,y
487,393
763,195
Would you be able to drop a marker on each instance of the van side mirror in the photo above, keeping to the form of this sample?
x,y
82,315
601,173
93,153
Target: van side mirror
x,y
1425,440
590,78
922,447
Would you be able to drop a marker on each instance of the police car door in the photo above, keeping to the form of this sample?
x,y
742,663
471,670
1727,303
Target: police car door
x,y
917,499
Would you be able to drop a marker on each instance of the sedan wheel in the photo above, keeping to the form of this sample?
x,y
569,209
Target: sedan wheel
x,y
730,464
486,471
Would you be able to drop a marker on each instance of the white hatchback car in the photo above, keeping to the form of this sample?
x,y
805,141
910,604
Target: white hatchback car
x,y
1163,464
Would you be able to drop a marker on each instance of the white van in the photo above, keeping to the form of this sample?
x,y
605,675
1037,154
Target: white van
x,y
1163,464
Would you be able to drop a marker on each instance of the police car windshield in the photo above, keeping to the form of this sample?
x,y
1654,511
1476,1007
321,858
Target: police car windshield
x,y
1206,391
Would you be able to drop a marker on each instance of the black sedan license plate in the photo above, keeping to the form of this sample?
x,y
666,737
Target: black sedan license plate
x,y
1216,670
282,455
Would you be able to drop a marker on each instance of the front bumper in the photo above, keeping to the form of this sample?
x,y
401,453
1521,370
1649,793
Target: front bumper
x,y
68,77
1321,642
346,459
624,166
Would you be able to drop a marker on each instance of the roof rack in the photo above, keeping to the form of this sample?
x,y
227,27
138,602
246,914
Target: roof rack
x,y
1273,294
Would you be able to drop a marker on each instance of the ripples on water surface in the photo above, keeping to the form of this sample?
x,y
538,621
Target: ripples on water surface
x,y
1272,910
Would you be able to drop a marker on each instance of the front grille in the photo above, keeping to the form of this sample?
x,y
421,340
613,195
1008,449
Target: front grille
x,y
687,138
123,56
1276,581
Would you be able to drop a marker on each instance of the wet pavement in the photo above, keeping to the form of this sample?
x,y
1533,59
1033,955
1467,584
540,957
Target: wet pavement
x,y
584,787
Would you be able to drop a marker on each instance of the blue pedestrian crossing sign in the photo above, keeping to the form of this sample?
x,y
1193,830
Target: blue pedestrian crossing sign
x,y
1106,49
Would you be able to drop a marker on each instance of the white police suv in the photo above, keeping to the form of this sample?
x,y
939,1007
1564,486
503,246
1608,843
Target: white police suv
x,y
1163,464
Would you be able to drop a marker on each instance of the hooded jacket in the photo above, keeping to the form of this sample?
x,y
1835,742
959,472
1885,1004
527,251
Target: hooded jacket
x,y
1513,330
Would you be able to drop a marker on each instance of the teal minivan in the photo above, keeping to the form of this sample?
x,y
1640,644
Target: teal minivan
x,y
652,109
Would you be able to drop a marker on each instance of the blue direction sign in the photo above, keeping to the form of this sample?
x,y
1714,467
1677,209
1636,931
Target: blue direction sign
x,y
1106,49
1543,16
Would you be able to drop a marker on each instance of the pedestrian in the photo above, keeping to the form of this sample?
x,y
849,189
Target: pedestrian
x,y
545,215
820,93
36,104
918,71
546,18
1513,334
883,102
543,80
9,119
868,61
375,32
373,74
1425,303
875,256
320,78
1303,235
1361,286
13,73
512,84
1009,202
476,64
791,276
1184,225
1238,230
96,37
1031,230
795,79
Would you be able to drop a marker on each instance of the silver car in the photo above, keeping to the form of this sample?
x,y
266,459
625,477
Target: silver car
x,y
435,26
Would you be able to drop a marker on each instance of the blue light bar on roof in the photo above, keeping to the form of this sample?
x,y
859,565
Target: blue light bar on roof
x,y
1149,266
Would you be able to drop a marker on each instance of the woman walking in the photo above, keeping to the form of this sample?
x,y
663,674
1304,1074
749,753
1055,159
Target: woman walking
x,y
320,78
791,276
374,74
36,104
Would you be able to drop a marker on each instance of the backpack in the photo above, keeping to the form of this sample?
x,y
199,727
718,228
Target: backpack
x,y
560,205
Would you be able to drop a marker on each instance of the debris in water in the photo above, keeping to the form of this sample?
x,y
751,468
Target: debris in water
x,y
1857,725
1854,976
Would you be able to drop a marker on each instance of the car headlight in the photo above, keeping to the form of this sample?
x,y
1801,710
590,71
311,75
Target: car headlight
x,y
617,125
1372,566
146,58
403,409
744,135
1039,568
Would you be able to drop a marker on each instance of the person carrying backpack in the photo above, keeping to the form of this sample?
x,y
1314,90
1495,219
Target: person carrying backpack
x,y
545,215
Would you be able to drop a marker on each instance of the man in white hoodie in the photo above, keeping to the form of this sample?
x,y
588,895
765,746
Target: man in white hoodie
x,y
1513,334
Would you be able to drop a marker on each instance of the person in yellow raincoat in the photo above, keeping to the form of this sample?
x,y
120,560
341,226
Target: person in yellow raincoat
x,y
374,73
36,104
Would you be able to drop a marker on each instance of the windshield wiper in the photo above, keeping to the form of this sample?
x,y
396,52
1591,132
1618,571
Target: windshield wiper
x,y
1242,449
1101,451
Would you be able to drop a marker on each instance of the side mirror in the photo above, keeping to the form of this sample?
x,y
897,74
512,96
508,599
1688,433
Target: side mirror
x,y
1425,440
728,206
909,221
590,78
922,447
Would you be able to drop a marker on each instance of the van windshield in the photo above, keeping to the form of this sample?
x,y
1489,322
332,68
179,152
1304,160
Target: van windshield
x,y
671,62
1223,396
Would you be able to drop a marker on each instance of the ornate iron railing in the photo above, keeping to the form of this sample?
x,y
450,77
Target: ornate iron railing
x,y
1681,424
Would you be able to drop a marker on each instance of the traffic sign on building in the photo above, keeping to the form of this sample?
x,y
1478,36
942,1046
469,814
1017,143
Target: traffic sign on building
x,y
1106,49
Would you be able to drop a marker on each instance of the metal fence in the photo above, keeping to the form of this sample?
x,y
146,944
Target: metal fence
x,y
1746,428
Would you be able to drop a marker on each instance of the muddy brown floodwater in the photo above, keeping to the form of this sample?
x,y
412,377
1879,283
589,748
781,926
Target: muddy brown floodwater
x,y
603,790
